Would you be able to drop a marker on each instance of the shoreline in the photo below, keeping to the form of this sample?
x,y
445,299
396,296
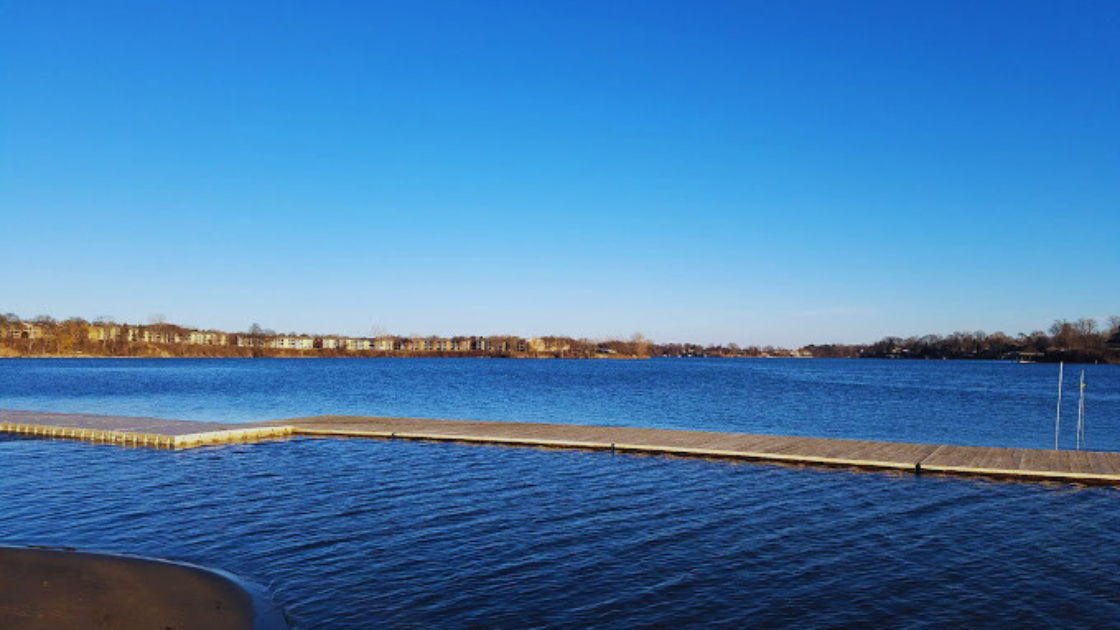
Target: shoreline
x,y
360,356
355,356
46,588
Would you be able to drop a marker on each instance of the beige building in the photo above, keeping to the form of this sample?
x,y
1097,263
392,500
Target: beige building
x,y
149,335
358,345
25,330
292,343
207,338
537,344
420,345
104,333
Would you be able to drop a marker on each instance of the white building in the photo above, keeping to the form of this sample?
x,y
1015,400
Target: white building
x,y
292,343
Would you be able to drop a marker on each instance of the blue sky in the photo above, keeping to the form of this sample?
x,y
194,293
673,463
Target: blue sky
x,y
778,172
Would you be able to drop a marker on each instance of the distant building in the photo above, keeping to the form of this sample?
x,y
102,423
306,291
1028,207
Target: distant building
x,y
358,345
292,342
1114,341
1020,356
549,345
104,333
330,343
25,330
420,345
150,335
207,338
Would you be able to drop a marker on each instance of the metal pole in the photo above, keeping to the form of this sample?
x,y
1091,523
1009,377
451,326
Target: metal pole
x,y
1081,414
1058,420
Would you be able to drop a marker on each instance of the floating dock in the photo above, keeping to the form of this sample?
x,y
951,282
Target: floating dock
x,y
128,431
1035,464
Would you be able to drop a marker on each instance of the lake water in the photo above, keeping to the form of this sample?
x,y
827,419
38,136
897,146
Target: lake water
x,y
944,402
369,534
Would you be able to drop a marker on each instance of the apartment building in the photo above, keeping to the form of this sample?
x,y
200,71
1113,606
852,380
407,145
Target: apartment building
x,y
357,345
290,342
104,333
150,335
207,338
25,330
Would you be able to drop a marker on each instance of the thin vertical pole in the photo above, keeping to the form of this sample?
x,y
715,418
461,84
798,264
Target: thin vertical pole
x,y
1058,419
1081,414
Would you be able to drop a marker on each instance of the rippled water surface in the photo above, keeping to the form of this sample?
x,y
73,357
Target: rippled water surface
x,y
370,534
945,402
367,534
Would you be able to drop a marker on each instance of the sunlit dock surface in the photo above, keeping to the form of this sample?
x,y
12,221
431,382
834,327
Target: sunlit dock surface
x,y
152,432
1036,464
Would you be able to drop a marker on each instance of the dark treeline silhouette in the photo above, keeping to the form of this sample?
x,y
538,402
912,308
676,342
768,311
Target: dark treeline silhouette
x,y
1082,341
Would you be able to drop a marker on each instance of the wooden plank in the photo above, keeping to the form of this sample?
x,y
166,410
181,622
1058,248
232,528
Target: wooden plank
x,y
1110,462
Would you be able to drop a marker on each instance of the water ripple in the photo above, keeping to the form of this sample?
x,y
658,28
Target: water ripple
x,y
367,534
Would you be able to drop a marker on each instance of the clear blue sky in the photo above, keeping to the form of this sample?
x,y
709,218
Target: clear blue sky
x,y
770,172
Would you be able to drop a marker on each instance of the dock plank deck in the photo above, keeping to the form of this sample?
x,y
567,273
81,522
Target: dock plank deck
x,y
155,432
1034,464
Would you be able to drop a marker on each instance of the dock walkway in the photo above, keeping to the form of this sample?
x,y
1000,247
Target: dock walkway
x,y
134,431
1036,464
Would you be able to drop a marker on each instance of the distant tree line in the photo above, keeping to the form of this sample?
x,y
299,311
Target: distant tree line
x,y
46,336
731,350
1083,340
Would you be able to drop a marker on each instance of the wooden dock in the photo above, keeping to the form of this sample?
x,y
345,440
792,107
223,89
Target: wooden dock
x,y
1035,464
152,432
